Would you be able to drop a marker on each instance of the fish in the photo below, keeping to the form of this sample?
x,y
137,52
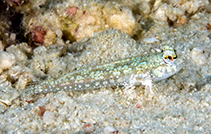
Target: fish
x,y
138,70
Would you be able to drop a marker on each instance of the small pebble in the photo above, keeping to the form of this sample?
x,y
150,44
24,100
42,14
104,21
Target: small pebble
x,y
10,127
49,117
110,129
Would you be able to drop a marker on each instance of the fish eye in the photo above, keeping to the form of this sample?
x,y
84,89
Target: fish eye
x,y
169,57
169,54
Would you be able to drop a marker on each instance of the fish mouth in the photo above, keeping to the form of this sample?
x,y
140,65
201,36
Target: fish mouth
x,y
179,63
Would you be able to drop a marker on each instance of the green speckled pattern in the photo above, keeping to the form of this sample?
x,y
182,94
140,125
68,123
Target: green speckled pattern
x,y
132,70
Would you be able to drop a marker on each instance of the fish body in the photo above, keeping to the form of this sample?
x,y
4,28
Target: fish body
x,y
133,70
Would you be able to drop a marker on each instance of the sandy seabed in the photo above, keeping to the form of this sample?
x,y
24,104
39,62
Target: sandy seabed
x,y
180,104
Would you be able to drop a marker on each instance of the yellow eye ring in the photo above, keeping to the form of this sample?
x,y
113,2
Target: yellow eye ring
x,y
169,54
170,57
